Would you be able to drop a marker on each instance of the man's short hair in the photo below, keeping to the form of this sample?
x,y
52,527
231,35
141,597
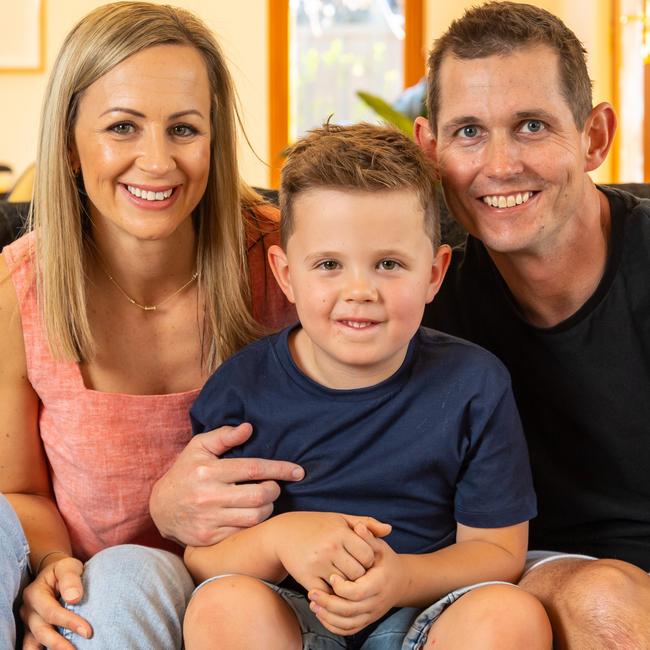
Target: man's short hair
x,y
503,27
359,157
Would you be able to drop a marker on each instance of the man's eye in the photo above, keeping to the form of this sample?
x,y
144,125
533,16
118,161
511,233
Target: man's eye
x,y
328,265
532,126
468,131
388,265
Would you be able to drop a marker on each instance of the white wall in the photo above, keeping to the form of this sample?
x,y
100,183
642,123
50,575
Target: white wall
x,y
241,27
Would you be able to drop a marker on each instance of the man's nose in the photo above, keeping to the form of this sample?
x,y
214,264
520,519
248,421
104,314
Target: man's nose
x,y
502,157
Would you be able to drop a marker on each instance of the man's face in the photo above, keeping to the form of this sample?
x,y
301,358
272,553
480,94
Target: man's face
x,y
511,159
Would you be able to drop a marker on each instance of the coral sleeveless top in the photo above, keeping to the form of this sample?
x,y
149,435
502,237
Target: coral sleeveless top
x,y
105,450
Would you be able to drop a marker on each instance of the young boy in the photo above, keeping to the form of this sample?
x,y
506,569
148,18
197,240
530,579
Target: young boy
x,y
417,482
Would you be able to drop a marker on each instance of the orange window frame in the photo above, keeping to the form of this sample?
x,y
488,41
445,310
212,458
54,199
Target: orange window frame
x,y
278,72
617,36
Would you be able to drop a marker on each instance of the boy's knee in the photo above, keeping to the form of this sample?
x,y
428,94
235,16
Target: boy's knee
x,y
500,616
221,597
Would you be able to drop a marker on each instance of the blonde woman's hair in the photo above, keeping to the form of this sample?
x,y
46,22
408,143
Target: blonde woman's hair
x,y
99,42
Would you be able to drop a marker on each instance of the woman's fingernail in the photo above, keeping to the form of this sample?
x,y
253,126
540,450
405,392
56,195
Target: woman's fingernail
x,y
82,631
298,473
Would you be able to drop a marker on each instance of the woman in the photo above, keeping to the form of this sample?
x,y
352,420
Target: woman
x,y
131,288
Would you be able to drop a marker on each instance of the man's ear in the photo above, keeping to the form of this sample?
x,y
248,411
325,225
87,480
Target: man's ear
x,y
599,130
424,137
438,269
280,267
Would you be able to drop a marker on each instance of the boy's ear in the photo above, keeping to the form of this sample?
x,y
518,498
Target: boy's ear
x,y
424,136
280,267
599,130
438,270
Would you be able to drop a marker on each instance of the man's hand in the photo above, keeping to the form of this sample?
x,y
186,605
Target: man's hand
x,y
354,604
199,502
314,546
41,610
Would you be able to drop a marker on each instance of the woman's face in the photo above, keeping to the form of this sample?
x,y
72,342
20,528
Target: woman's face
x,y
142,138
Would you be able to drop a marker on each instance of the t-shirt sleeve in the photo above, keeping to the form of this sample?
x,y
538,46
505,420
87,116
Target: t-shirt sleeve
x,y
218,403
495,486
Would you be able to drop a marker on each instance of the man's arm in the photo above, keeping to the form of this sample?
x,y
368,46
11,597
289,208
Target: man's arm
x,y
479,555
199,500
311,546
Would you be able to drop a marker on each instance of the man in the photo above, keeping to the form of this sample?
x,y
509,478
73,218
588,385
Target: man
x,y
554,281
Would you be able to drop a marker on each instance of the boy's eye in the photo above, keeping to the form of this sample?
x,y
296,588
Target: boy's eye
x,y
122,128
533,126
183,130
389,265
328,265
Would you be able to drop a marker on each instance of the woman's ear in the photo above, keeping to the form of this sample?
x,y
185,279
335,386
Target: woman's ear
x,y
73,157
280,267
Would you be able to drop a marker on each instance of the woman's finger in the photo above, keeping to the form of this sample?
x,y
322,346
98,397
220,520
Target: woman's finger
x,y
67,574
39,633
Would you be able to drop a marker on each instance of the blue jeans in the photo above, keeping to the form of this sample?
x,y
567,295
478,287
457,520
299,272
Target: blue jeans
x,y
134,596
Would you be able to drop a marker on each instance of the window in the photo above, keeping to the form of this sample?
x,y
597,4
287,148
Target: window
x,y
323,51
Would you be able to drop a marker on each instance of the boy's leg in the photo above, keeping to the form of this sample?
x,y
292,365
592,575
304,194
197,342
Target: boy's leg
x,y
14,569
492,616
243,613
134,597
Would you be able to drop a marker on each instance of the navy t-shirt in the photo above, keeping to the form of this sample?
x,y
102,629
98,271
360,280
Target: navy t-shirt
x,y
439,442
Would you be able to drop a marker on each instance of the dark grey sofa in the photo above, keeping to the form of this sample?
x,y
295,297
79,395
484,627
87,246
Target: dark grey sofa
x,y
13,215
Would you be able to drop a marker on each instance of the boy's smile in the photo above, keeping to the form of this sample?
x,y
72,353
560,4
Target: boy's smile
x,y
360,267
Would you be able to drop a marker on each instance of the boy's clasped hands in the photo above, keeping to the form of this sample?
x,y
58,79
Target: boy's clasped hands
x,y
352,575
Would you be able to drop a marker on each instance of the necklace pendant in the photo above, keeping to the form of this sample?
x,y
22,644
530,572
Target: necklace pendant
x,y
149,307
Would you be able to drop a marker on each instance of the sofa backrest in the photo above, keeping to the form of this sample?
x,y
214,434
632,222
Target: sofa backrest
x,y
13,215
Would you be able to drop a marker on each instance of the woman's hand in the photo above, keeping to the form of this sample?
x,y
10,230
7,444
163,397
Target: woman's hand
x,y
41,611
198,501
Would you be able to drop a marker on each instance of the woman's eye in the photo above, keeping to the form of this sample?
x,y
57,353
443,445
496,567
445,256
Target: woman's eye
x,y
532,126
123,128
329,265
183,130
388,265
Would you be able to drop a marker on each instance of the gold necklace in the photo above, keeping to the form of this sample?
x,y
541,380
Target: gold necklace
x,y
149,307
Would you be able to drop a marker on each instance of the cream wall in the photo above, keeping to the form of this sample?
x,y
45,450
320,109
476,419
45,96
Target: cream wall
x,y
241,29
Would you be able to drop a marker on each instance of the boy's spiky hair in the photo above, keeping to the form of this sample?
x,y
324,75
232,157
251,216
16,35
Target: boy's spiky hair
x,y
359,157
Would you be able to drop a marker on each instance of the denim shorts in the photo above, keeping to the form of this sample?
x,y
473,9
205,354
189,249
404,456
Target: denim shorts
x,y
406,629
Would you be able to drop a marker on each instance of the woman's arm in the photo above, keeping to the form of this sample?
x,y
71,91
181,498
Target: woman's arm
x,y
24,480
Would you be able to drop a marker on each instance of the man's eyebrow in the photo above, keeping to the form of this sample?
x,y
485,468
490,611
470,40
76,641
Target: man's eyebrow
x,y
535,114
130,111
461,120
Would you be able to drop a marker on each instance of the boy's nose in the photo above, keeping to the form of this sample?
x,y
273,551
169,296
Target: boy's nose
x,y
360,288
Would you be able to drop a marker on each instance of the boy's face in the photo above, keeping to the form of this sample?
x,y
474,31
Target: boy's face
x,y
359,267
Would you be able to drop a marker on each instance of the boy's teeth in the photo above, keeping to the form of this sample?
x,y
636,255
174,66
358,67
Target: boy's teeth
x,y
509,201
357,324
148,195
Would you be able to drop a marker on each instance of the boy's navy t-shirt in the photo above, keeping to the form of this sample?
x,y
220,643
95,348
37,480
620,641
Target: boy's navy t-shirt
x,y
437,443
